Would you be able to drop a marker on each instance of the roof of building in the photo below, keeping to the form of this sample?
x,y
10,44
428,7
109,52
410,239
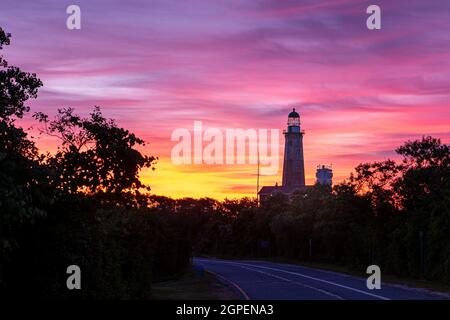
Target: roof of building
x,y
267,190
293,114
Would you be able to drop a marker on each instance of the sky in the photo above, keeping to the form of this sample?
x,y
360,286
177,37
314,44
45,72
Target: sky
x,y
156,66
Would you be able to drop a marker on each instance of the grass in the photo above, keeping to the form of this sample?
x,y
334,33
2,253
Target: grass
x,y
193,286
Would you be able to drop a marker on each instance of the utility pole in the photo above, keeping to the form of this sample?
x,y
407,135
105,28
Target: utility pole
x,y
257,174
422,253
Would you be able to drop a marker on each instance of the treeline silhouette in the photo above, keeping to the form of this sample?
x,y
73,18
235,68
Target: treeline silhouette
x,y
85,205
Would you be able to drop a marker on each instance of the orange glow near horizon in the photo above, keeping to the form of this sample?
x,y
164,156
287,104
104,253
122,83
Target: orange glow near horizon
x,y
326,141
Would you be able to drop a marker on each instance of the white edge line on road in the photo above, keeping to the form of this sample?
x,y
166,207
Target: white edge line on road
x,y
320,280
297,283
307,277
223,279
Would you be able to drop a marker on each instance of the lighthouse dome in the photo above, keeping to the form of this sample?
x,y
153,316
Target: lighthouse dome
x,y
293,114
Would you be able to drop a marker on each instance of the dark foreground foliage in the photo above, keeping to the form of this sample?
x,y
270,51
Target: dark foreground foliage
x,y
80,206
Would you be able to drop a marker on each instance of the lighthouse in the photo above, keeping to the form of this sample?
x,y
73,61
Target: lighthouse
x,y
294,163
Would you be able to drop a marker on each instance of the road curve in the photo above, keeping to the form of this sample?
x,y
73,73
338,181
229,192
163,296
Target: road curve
x,y
262,280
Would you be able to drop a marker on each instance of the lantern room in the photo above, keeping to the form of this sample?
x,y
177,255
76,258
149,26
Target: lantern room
x,y
293,121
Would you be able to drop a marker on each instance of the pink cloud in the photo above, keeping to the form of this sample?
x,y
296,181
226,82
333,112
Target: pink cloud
x,y
156,66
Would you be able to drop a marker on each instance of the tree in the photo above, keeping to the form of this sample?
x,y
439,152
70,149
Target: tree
x,y
16,86
73,206
19,167
424,190
95,157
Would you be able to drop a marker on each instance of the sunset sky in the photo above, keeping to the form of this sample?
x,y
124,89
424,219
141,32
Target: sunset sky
x,y
156,66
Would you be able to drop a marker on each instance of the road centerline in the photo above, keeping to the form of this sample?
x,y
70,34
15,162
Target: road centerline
x,y
296,283
317,279
302,275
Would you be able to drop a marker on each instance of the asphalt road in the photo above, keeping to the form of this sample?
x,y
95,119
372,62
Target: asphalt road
x,y
261,280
